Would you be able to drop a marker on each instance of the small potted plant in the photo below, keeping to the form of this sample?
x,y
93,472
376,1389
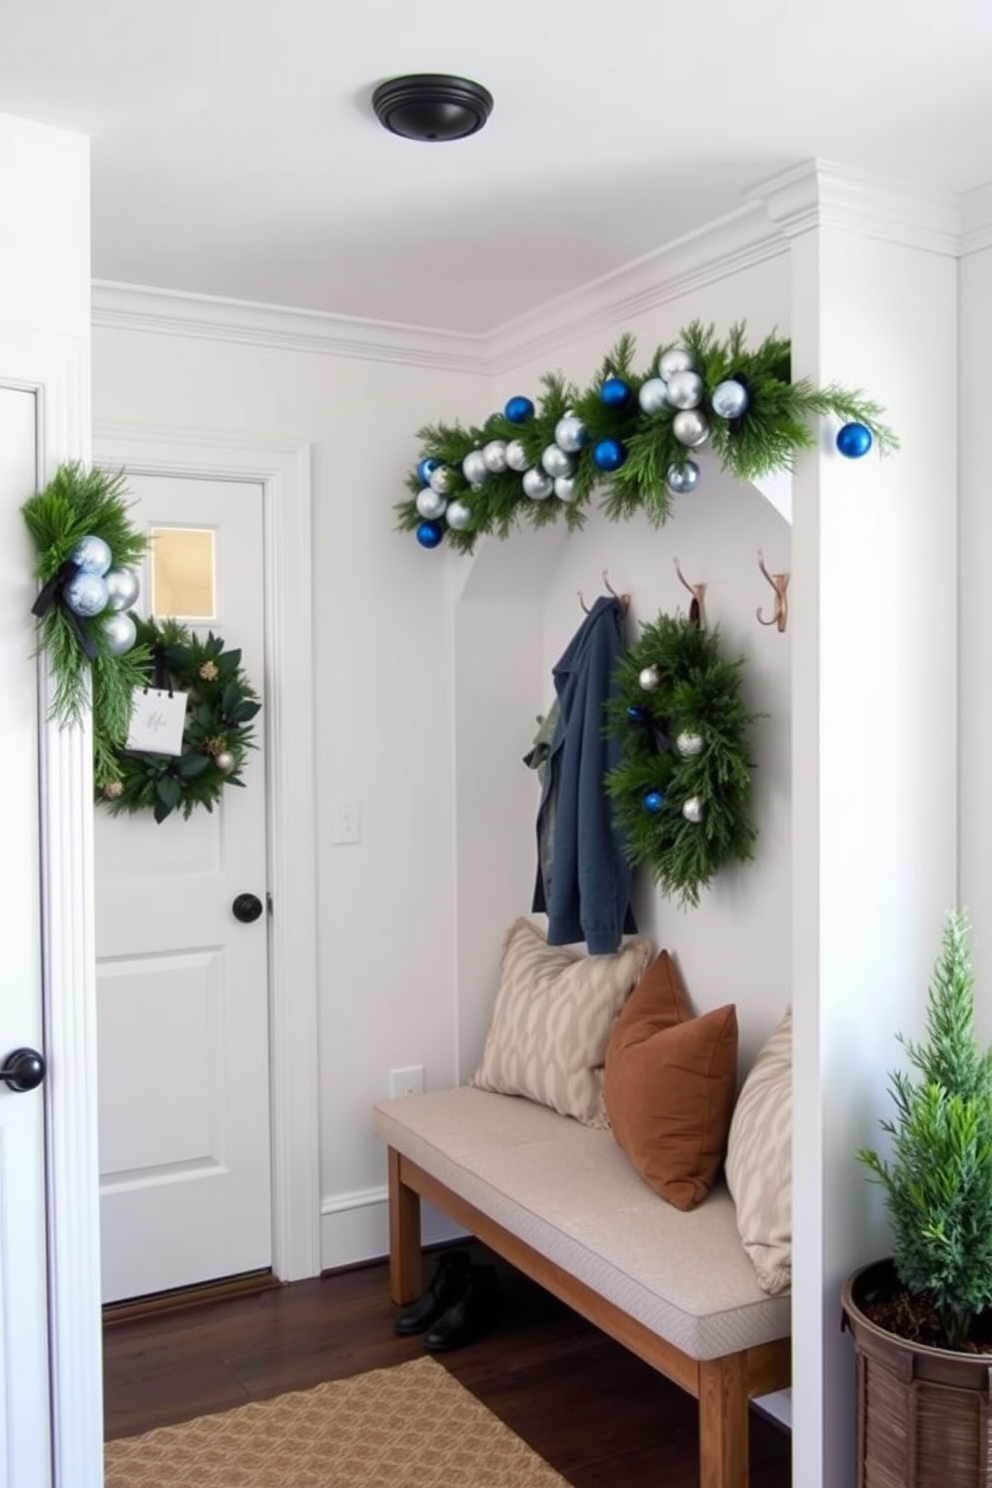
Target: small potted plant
x,y
921,1320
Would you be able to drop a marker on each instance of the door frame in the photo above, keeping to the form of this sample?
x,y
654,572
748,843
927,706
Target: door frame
x,y
282,469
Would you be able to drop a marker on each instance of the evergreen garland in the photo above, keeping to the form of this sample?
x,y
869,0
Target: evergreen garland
x,y
682,788
777,422
217,733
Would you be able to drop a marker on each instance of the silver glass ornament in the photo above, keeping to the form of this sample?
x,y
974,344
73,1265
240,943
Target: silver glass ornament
x,y
729,399
442,480
224,761
537,485
649,678
557,461
122,588
694,809
691,427
430,505
652,395
120,633
494,454
565,488
516,456
683,390
676,360
458,515
681,479
689,744
570,434
92,555
113,790
86,594
474,467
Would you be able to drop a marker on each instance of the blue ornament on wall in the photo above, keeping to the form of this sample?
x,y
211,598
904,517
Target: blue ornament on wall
x,y
654,800
854,440
635,714
518,410
429,534
427,464
608,454
614,392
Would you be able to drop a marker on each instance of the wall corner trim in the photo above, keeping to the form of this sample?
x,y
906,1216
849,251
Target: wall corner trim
x,y
976,219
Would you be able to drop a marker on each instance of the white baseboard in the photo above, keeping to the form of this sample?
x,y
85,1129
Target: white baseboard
x,y
354,1227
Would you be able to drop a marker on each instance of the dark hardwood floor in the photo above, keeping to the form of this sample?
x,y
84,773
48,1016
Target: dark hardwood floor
x,y
592,1410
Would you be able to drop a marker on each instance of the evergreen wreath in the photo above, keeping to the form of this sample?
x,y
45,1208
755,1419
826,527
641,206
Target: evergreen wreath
x,y
85,549
217,733
631,434
683,784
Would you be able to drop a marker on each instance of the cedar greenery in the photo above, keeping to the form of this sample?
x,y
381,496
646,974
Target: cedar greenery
x,y
698,693
938,1182
77,503
778,422
221,706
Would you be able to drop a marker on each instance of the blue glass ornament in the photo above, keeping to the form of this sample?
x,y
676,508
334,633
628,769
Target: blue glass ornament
x,y
608,454
854,440
429,534
654,800
92,555
518,410
427,464
614,392
635,714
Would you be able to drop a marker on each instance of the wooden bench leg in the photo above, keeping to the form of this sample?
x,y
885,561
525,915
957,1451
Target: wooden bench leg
x,y
723,1422
405,1269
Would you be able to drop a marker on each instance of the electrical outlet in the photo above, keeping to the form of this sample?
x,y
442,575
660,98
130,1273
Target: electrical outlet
x,y
346,822
409,1081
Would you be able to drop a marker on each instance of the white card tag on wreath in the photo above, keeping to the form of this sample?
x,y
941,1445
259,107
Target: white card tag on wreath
x,y
157,721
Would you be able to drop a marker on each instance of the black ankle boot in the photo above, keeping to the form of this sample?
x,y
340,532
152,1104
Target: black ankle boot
x,y
447,1283
471,1315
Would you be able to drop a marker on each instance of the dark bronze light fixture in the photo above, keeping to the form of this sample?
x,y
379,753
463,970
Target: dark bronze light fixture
x,y
432,106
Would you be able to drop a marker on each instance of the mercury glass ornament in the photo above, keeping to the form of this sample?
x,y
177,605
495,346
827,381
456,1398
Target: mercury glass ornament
x,y
424,468
92,555
688,744
691,427
120,633
494,454
854,440
565,488
681,479
443,480
113,790
458,515
684,390
86,594
474,467
676,360
652,395
614,392
694,809
516,456
537,485
570,434
224,761
557,461
429,504
649,678
729,399
122,588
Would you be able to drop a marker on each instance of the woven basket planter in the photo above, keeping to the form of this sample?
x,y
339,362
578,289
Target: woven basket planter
x,y
924,1414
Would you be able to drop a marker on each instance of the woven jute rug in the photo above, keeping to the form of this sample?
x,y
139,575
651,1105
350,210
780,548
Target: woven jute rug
x,y
412,1426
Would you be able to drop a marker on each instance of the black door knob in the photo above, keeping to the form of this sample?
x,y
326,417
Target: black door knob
x,y
23,1069
246,907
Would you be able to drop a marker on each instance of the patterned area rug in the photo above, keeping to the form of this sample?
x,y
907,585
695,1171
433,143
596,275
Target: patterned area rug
x,y
412,1426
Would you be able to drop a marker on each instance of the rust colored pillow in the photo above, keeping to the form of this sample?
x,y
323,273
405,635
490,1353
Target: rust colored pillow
x,y
670,1083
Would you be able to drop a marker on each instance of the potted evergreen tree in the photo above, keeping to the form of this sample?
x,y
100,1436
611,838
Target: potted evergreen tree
x,y
921,1321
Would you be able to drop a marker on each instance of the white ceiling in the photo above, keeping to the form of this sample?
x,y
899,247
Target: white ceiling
x,y
235,151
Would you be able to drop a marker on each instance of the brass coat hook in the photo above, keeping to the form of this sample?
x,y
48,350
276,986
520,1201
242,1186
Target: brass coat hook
x,y
697,609
780,583
624,599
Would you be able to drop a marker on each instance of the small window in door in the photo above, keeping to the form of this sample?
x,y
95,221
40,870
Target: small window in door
x,y
183,573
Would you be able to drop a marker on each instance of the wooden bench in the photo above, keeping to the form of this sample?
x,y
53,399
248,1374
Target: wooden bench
x,y
562,1203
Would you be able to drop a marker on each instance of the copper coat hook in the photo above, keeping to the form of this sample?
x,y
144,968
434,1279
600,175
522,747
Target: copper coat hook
x,y
697,610
780,583
623,599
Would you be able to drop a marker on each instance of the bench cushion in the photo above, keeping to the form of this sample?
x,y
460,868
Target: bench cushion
x,y
571,1194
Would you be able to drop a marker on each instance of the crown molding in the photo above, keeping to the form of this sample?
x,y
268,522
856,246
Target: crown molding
x,y
820,193
976,219
136,307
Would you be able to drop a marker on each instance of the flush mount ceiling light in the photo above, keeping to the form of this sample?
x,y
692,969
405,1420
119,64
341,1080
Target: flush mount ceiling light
x,y
431,106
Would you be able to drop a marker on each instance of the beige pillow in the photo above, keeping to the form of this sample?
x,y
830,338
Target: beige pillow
x,y
551,1024
759,1161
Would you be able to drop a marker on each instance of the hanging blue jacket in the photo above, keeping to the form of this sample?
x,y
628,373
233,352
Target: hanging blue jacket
x,y
583,878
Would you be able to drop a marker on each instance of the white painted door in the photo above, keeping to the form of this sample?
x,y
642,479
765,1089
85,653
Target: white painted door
x,y
25,1426
182,985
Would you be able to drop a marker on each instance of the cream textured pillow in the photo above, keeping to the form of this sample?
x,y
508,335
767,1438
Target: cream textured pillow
x,y
759,1161
552,1021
